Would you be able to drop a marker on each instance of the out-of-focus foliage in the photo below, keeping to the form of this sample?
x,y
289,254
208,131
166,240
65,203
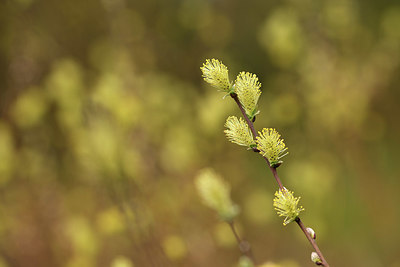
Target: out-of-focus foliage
x,y
215,193
105,121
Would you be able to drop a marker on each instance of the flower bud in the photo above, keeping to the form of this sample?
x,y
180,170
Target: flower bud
x,y
311,232
315,258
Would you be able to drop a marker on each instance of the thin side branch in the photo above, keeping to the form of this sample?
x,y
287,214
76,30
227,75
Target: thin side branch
x,y
244,246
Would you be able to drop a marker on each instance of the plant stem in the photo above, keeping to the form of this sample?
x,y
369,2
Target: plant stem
x,y
278,180
251,125
249,122
312,241
275,173
244,246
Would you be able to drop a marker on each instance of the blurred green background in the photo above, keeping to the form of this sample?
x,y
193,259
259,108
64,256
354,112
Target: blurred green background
x,y
105,121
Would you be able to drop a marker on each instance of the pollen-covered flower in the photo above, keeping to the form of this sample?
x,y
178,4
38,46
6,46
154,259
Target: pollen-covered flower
x,y
271,146
286,205
247,88
238,132
216,74
215,193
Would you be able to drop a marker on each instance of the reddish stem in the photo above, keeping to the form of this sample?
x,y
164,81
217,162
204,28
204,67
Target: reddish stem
x,y
275,173
312,241
249,122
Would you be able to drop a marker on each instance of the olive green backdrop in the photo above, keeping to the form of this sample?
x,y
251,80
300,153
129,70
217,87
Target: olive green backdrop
x,y
105,121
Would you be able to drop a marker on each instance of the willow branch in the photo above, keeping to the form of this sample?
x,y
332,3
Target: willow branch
x,y
253,131
278,180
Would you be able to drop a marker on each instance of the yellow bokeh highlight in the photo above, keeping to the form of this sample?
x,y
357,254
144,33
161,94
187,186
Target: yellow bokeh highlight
x,y
178,153
213,112
3,263
390,24
65,87
83,238
315,177
284,263
174,247
110,221
30,108
340,18
282,37
122,261
100,148
6,153
270,264
79,261
111,93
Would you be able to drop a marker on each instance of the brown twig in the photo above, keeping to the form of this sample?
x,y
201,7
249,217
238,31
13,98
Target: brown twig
x,y
249,122
244,246
278,180
312,241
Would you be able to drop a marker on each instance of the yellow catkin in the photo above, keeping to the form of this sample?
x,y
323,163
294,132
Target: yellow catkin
x,y
238,132
216,74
